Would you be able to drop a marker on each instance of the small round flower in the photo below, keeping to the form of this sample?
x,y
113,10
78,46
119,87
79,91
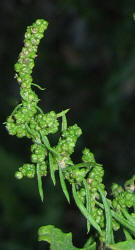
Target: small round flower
x,y
87,156
115,225
42,168
28,170
18,175
11,126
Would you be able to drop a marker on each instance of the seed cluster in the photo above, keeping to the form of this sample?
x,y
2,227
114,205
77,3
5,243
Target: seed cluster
x,y
122,198
66,145
95,178
16,122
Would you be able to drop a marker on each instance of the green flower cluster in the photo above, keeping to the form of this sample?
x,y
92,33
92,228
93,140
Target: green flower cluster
x,y
25,62
87,176
115,225
27,170
122,198
95,178
23,121
39,152
82,194
88,156
76,175
66,145
16,123
98,216
48,123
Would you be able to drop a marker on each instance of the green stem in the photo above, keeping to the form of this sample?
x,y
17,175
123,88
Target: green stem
x,y
80,165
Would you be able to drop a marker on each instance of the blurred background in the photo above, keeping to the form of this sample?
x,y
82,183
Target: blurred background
x,y
86,62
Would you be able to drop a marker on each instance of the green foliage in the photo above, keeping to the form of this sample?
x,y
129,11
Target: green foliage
x,y
125,245
86,178
59,240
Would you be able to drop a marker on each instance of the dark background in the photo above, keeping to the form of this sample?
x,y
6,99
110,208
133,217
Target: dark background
x,y
86,62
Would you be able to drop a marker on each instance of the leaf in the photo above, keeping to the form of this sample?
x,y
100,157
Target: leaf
x,y
40,188
87,202
64,122
39,87
84,210
90,243
47,143
52,172
128,216
40,110
127,234
123,221
91,247
109,231
62,112
63,184
125,245
59,240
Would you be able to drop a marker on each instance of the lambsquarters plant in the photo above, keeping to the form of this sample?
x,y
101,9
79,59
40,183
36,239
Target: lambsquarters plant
x,y
104,216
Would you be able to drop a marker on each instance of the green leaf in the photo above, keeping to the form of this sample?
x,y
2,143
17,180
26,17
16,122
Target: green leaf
x,y
40,110
52,172
36,85
87,202
127,234
123,221
63,184
62,112
109,231
128,216
40,188
59,240
90,243
64,122
47,143
29,131
125,245
84,210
